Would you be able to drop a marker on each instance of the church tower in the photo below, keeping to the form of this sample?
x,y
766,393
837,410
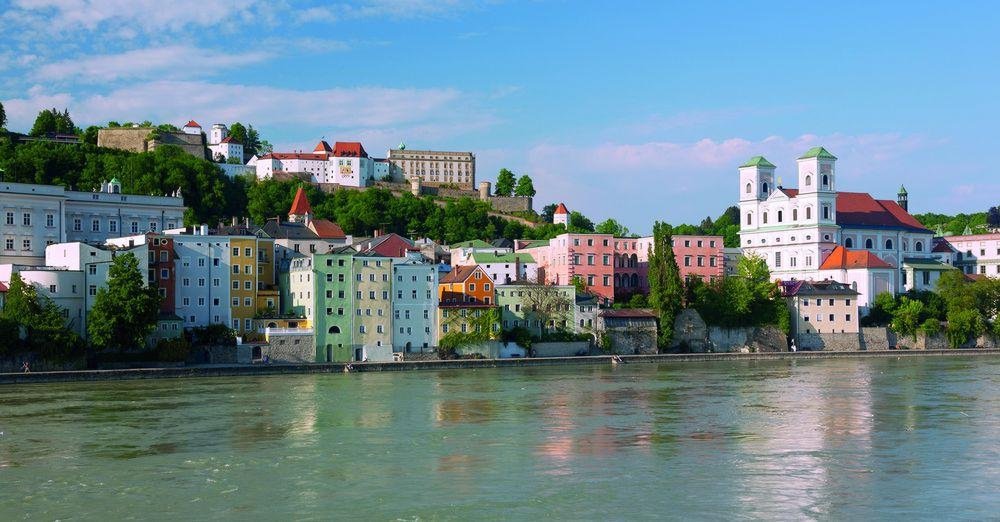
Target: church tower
x,y
903,199
817,186
756,184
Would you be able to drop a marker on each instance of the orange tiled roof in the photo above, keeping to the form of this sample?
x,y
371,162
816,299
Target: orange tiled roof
x,y
300,205
844,259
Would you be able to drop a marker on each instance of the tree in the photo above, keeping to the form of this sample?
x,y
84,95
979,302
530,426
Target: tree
x,y
611,226
90,135
665,288
906,317
548,212
580,284
53,121
525,187
992,216
124,312
3,117
248,136
579,223
549,305
39,318
505,183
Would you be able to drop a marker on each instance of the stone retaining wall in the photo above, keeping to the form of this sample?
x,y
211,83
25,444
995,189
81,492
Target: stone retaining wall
x,y
560,349
880,338
291,369
837,342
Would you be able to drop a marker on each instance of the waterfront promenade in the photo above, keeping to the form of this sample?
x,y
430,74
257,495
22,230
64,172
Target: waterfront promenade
x,y
291,369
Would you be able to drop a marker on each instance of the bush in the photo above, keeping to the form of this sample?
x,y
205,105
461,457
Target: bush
x,y
930,327
964,325
173,350
213,334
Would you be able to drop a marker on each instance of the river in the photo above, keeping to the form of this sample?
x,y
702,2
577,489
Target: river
x,y
909,438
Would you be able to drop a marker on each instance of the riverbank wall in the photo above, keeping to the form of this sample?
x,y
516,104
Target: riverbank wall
x,y
291,369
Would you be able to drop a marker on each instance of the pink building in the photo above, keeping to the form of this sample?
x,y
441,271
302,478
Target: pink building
x,y
700,256
617,267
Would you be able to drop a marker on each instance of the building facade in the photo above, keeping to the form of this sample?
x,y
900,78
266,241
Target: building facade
x,y
977,254
435,168
346,164
35,216
414,303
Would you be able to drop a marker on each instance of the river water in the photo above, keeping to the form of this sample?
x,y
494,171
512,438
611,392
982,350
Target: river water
x,y
908,438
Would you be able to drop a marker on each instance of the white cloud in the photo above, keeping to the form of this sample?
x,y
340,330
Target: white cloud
x,y
144,63
148,15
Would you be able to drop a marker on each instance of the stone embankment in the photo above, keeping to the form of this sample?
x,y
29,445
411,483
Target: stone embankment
x,y
288,369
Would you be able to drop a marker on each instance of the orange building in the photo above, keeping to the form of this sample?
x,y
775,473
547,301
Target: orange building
x,y
467,285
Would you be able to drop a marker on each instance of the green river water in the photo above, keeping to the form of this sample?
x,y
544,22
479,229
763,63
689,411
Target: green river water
x,y
848,439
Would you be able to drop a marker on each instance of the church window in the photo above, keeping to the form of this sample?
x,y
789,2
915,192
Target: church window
x,y
809,212
826,212
809,180
826,181
848,243
918,246
777,260
795,214
749,219
779,216
869,244
888,244
763,188
749,188
764,221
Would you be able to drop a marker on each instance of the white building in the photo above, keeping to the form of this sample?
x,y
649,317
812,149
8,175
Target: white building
x,y
35,216
506,268
345,164
561,216
977,254
435,167
796,230
414,303
66,288
191,127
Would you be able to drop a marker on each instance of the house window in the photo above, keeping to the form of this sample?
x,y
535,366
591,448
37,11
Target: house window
x,y
26,219
848,243
10,219
777,259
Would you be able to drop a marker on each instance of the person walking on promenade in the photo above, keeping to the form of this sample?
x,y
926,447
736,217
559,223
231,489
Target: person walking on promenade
x,y
25,368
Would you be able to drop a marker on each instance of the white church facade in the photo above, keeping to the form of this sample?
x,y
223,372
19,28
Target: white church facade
x,y
815,232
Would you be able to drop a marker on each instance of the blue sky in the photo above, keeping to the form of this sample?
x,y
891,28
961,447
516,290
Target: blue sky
x,y
638,111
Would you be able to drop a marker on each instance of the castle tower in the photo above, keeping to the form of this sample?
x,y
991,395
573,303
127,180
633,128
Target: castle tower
x,y
218,133
561,216
902,198
301,211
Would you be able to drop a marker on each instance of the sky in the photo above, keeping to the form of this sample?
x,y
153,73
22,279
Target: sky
x,y
638,111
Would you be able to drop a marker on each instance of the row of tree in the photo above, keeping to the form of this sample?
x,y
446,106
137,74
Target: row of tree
x,y
962,309
510,185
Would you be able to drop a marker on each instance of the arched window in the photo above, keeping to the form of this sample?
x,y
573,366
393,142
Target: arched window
x,y
635,281
809,180
795,214
848,243
749,188
763,188
780,215
919,246
764,220
888,244
334,330
809,212
869,243
826,181
749,219
618,280
634,261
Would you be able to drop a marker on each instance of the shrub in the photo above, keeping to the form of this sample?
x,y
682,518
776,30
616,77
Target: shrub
x,y
930,327
964,325
173,350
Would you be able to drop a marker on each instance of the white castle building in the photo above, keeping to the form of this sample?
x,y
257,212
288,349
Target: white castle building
x,y
815,232
346,164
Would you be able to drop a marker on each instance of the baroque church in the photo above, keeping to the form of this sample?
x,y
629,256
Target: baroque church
x,y
815,232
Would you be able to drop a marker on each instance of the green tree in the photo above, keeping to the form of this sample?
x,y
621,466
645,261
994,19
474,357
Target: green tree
x,y
124,312
525,187
505,183
611,226
906,317
548,211
90,135
3,117
53,121
42,322
964,325
579,223
665,287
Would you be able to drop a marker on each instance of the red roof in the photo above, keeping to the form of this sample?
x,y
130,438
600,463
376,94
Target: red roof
x,y
943,247
326,229
3,287
459,274
300,205
789,192
295,155
350,149
844,259
860,209
561,209
323,147
192,123
230,139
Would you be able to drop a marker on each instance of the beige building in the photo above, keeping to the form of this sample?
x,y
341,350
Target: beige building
x,y
822,307
436,168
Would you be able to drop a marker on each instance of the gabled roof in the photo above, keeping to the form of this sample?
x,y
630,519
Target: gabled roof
x,y
350,149
942,246
389,245
286,230
844,259
860,209
825,287
300,205
472,243
758,161
326,229
323,147
817,152
926,264
192,123
791,193
295,155
230,139
561,209
459,274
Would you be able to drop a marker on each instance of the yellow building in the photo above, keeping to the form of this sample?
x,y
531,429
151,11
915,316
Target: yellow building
x,y
251,280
